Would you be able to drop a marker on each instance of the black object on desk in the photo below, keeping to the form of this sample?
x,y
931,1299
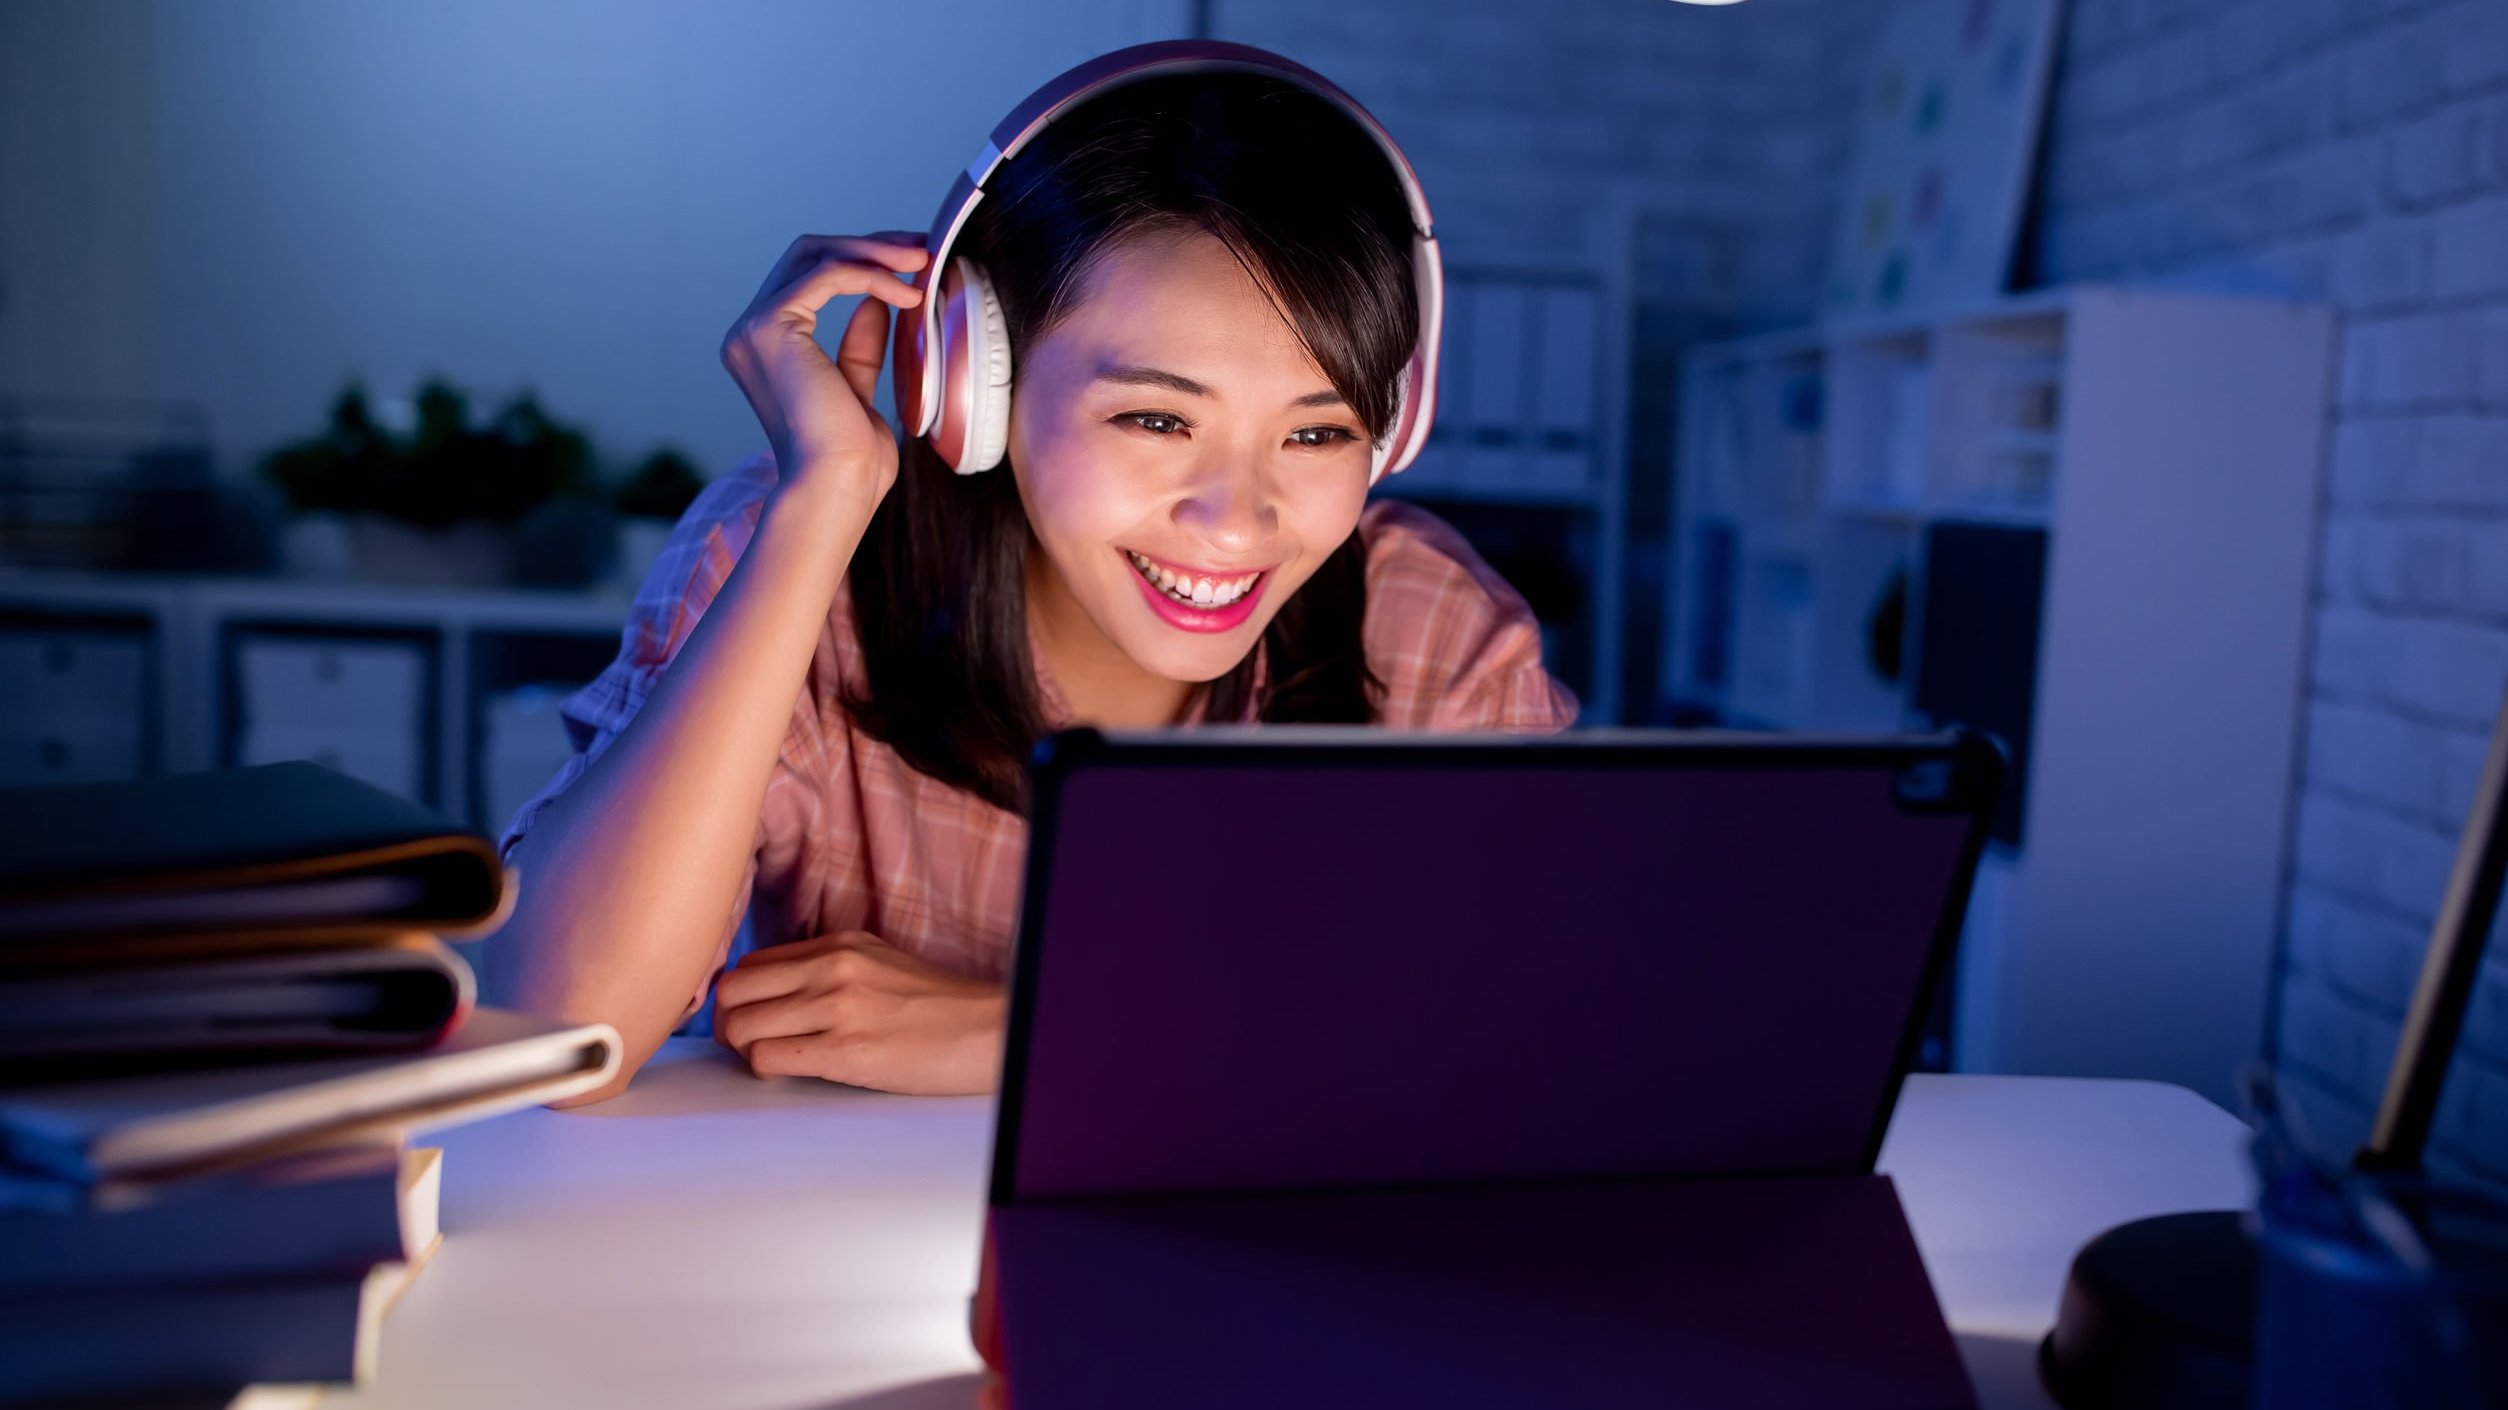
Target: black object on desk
x,y
2161,1314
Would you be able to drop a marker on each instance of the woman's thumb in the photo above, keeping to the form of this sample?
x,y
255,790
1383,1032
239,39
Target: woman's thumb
x,y
858,355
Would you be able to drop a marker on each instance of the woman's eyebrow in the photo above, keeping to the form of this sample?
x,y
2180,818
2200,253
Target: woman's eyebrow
x,y
1129,376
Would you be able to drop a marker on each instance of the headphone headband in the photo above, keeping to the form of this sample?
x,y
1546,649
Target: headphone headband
x,y
1107,72
919,377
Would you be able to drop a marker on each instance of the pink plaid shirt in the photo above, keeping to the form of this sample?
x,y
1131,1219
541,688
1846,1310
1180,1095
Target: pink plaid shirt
x,y
852,838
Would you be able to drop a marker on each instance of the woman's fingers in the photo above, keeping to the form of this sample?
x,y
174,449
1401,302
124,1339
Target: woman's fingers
x,y
810,1055
746,983
792,1016
894,249
836,276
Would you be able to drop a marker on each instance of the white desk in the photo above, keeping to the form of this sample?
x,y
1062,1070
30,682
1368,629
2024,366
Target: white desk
x,y
709,1239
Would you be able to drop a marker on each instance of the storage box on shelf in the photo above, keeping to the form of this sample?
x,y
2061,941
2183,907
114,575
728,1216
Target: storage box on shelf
x,y
2084,520
359,699
113,676
76,691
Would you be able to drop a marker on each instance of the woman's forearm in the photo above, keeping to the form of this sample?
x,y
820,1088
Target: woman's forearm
x,y
628,878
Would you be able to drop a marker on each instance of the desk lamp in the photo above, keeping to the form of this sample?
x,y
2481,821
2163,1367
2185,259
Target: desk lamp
x,y
2159,1314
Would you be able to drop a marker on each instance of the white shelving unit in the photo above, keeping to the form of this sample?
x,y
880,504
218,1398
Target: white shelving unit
x,y
1532,412
446,695
2091,515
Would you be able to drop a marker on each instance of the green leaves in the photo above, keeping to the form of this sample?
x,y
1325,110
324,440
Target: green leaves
x,y
445,470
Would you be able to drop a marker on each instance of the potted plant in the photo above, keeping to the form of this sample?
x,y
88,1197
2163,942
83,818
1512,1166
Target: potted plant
x,y
448,503
327,479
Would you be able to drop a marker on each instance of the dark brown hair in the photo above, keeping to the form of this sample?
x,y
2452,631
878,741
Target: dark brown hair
x,y
1309,206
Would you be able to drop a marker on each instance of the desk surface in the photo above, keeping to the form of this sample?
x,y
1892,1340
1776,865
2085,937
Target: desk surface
x,y
710,1239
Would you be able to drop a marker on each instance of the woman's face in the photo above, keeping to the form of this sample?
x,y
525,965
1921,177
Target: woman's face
x,y
1173,440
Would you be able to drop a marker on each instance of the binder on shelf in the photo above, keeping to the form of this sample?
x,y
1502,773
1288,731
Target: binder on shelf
x,y
1561,456
1494,409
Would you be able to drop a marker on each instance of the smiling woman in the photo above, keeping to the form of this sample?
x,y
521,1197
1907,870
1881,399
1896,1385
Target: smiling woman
x,y
834,672
1209,303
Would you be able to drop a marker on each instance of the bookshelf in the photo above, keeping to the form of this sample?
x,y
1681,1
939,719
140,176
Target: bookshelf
x,y
2083,519
447,696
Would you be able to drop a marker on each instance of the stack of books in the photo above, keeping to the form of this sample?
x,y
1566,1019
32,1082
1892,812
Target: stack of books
x,y
226,1008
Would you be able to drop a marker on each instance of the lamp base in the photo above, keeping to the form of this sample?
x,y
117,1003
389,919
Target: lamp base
x,y
2158,1314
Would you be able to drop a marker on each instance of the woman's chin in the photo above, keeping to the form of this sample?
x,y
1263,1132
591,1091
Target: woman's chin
x,y
1194,667
1189,660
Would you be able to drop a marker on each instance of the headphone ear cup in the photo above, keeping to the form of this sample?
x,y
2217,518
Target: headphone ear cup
x,y
1382,454
988,401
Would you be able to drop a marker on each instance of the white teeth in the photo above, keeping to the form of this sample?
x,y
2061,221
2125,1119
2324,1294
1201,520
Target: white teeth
x,y
1197,592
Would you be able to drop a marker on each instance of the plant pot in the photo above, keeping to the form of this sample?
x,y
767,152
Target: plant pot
x,y
468,554
317,545
566,543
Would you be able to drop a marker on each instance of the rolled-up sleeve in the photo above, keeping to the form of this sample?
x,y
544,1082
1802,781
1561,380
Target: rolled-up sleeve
x,y
685,577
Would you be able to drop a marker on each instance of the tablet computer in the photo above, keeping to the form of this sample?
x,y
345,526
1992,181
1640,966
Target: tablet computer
x,y
1260,958
1347,1067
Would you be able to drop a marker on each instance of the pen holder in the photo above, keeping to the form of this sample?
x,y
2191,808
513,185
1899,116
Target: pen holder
x,y
2375,1288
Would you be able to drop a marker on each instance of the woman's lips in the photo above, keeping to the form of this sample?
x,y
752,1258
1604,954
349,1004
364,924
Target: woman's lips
x,y
1187,617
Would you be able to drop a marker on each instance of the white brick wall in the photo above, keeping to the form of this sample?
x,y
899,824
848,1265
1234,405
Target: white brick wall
x,y
2354,151
1519,118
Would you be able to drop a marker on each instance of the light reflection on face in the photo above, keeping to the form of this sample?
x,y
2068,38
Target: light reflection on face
x,y
1265,467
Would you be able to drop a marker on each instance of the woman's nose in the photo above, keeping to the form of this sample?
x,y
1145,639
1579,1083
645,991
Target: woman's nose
x,y
1230,508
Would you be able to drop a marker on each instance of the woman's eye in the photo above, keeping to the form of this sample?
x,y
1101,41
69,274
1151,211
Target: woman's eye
x,y
1163,424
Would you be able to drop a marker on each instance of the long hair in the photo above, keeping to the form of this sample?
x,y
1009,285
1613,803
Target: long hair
x,y
1307,204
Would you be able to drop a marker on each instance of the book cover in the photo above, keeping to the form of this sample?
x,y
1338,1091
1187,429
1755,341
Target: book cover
x,y
164,1123
199,1337
335,1211
285,846
403,992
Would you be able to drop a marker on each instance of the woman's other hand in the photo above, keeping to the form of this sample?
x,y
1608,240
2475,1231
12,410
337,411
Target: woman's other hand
x,y
849,1007
817,412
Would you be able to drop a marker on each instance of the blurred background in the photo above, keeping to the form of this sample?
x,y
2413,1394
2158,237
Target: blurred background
x,y
2126,377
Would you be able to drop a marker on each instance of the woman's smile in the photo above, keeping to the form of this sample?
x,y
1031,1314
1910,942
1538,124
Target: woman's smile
x,y
1195,587
1202,602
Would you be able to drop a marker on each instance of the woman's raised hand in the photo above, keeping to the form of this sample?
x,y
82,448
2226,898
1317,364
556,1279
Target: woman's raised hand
x,y
817,413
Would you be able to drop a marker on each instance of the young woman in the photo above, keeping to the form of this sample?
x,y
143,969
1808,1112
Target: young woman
x,y
832,676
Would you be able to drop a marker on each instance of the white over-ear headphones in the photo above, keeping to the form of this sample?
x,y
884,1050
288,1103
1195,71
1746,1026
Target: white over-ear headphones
x,y
961,398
